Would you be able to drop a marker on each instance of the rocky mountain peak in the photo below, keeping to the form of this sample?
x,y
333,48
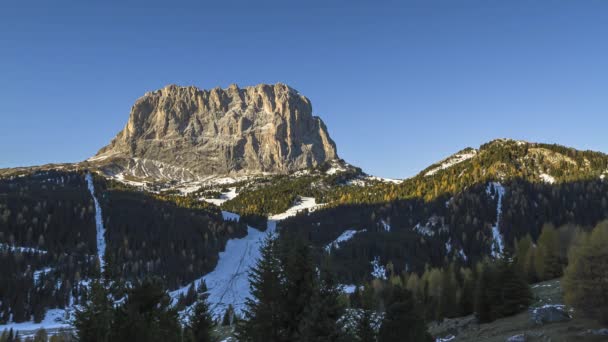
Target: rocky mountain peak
x,y
195,133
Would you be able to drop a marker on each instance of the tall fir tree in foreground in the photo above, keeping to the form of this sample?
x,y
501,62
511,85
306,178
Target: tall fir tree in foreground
x,y
262,319
326,309
146,315
299,283
200,322
401,321
94,320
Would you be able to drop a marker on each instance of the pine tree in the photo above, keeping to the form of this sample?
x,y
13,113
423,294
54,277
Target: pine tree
x,y
401,321
200,321
262,317
93,322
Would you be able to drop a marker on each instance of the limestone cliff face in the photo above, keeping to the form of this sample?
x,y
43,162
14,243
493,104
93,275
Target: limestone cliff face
x,y
194,132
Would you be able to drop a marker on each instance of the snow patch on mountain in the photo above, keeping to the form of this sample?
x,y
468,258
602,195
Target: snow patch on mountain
x,y
225,196
453,160
496,189
345,236
547,178
378,271
385,225
301,204
101,231
228,216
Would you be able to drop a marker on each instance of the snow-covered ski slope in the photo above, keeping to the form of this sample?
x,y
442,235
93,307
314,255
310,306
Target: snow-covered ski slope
x,y
101,231
228,283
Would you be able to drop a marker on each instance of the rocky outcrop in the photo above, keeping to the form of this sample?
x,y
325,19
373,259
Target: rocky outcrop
x,y
186,132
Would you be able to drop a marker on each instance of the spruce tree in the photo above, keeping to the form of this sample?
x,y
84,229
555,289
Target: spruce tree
x,y
94,320
299,276
324,323
262,318
200,322
146,315
401,321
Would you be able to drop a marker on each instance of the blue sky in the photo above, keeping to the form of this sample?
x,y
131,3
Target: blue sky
x,y
399,84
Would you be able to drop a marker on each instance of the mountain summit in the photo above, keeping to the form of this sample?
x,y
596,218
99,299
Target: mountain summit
x,y
187,133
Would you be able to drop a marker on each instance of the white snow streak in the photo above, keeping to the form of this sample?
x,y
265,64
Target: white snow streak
x,y
101,231
497,244
345,236
451,161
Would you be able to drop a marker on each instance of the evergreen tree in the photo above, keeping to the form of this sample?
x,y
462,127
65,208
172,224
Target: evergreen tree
x,y
364,329
94,320
585,283
262,318
401,321
200,321
501,291
146,315
229,316
547,261
299,276
323,325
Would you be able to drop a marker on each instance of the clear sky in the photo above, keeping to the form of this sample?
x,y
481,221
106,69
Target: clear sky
x,y
399,84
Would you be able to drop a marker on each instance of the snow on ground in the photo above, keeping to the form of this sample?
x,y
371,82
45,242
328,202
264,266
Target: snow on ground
x,y
345,236
378,271
423,230
228,283
385,225
225,196
101,231
547,178
453,160
21,249
41,272
497,244
228,216
448,246
303,203
386,180
348,288
54,319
